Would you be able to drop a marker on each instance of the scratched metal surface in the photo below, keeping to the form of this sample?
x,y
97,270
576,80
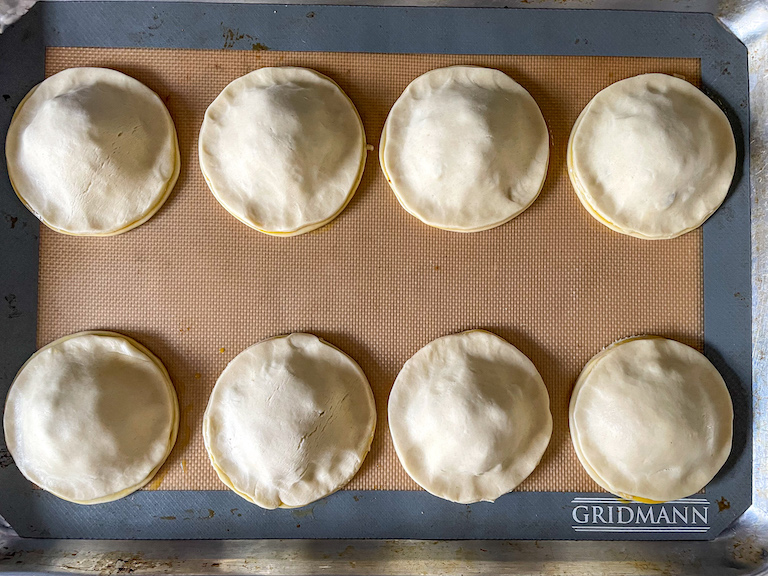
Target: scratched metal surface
x,y
742,549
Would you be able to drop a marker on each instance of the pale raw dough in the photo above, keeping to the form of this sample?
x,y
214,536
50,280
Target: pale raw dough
x,y
465,148
651,419
469,417
283,149
289,421
92,152
651,156
91,417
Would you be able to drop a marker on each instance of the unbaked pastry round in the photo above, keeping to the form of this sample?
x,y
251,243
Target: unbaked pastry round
x,y
91,417
651,157
283,150
469,417
651,419
92,152
465,148
289,421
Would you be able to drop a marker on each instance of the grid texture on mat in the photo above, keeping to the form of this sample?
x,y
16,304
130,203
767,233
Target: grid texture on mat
x,y
197,287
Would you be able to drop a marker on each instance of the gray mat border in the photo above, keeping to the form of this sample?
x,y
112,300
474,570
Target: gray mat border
x,y
727,296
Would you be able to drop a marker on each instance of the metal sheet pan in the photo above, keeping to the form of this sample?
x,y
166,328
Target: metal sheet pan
x,y
741,549
403,514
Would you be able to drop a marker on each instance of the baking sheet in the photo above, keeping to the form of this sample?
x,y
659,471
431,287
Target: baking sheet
x,y
197,286
238,38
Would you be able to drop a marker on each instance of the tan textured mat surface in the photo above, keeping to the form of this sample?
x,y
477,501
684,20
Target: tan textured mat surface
x,y
196,286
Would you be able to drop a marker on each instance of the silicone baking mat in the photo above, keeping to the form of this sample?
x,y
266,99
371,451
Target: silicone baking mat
x,y
197,287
